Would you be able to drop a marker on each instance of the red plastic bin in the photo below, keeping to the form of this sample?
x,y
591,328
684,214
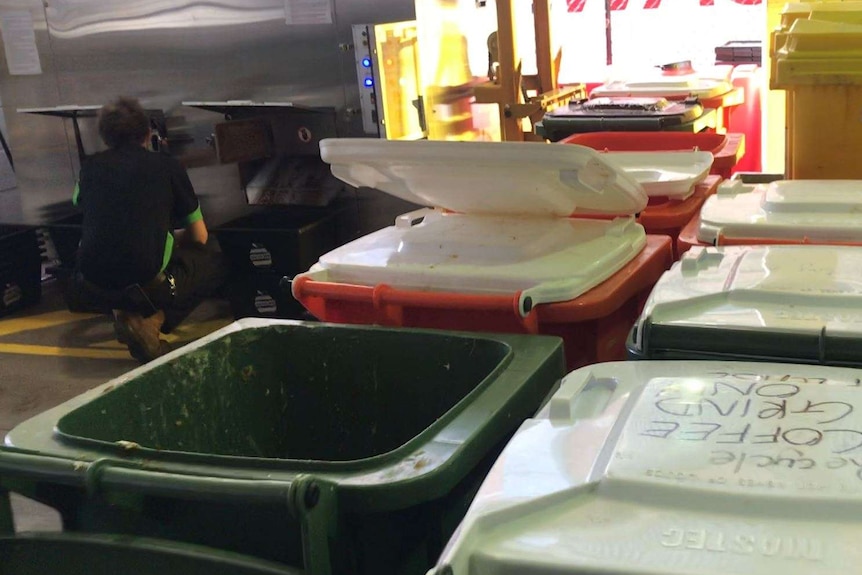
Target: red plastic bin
x,y
594,326
726,104
727,149
669,217
787,212
747,118
688,239
673,218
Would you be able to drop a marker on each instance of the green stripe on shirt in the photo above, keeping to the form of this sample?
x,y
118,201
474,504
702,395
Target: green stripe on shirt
x,y
169,250
193,217
78,191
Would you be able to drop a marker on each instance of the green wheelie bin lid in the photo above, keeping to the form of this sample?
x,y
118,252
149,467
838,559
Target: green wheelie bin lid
x,y
334,448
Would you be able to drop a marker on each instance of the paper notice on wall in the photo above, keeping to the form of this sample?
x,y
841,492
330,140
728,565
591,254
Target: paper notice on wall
x,y
19,42
307,12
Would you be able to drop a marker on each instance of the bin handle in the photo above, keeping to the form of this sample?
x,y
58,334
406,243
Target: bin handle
x,y
308,499
111,473
312,500
584,398
415,217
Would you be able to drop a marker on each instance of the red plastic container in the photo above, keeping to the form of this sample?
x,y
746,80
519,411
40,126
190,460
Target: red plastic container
x,y
594,326
746,118
728,149
511,244
757,241
670,217
688,239
726,104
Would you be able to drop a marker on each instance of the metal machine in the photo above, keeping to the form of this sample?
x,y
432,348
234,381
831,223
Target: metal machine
x,y
387,75
415,78
276,148
90,51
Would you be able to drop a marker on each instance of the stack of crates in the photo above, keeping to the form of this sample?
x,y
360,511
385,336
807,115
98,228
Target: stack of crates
x,y
20,268
738,52
274,242
817,58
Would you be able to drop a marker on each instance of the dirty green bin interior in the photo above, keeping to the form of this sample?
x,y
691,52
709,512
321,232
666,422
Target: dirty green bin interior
x,y
272,393
338,449
64,554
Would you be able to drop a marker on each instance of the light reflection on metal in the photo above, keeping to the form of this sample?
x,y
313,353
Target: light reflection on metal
x,y
76,19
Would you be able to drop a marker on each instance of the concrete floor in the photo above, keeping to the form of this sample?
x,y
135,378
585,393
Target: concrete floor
x,y
49,355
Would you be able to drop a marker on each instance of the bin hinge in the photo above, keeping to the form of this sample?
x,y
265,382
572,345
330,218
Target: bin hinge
x,y
313,502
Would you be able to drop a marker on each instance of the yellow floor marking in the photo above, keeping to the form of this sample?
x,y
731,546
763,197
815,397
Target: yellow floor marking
x,y
190,331
110,349
41,321
182,335
113,344
56,351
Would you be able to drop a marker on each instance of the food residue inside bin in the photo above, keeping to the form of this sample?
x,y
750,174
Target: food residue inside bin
x,y
285,393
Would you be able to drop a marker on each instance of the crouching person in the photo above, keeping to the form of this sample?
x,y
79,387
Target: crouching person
x,y
130,255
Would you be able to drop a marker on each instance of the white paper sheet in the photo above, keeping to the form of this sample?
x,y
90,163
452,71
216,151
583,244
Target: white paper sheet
x,y
307,12
19,41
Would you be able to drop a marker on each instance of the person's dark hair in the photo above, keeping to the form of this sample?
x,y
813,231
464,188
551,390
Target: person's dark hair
x,y
123,122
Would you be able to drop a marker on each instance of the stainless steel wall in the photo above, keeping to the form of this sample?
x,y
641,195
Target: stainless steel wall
x,y
166,52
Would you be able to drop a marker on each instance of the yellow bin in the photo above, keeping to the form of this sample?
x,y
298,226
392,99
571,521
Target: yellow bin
x,y
819,64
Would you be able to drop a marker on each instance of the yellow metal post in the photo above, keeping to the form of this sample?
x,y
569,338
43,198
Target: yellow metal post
x,y
510,79
545,63
774,103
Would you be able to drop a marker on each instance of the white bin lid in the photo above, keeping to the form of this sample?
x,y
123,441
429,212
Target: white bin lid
x,y
709,83
810,290
508,231
676,468
546,259
665,174
821,210
487,177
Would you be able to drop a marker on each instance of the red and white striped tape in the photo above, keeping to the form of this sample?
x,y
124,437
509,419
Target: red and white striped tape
x,y
616,5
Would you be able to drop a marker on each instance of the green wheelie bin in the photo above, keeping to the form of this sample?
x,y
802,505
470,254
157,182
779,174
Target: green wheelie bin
x,y
336,449
87,554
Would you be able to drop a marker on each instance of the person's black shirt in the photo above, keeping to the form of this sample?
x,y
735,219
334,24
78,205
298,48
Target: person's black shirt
x,y
131,199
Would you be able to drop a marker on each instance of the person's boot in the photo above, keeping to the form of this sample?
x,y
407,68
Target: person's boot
x,y
141,334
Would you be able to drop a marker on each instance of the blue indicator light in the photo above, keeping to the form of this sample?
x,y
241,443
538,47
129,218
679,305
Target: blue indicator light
x,y
368,82
366,62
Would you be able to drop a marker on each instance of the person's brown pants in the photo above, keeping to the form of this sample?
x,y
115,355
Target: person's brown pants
x,y
198,273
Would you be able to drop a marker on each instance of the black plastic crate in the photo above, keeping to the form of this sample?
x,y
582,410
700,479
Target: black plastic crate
x,y
20,268
287,239
259,294
20,284
18,244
